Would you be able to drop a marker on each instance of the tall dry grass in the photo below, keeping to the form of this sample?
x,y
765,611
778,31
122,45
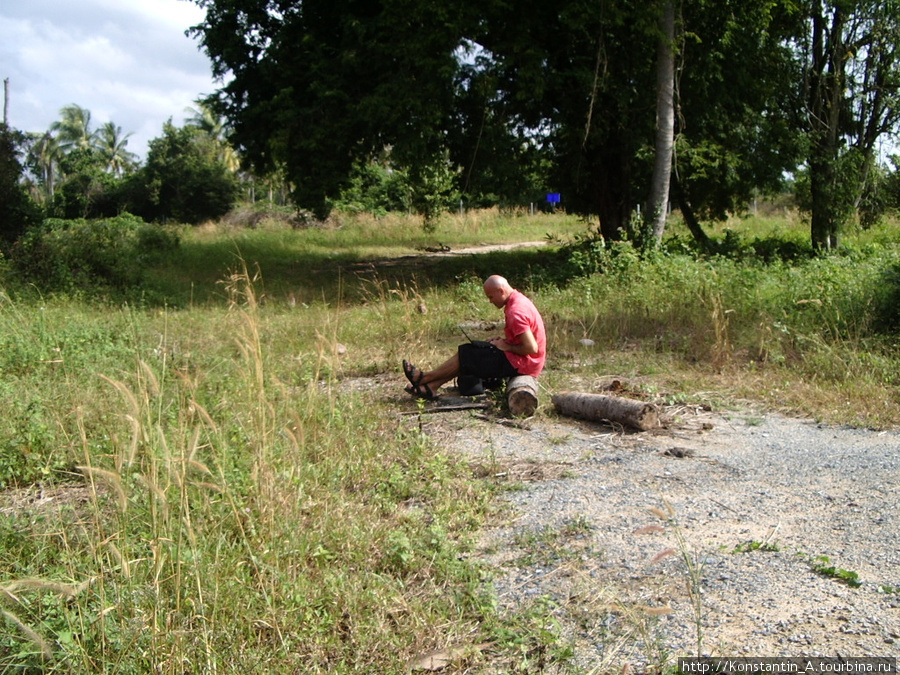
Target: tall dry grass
x,y
241,509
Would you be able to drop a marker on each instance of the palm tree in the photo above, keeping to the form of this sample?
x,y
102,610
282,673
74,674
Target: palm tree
x,y
44,154
73,129
203,117
111,143
216,127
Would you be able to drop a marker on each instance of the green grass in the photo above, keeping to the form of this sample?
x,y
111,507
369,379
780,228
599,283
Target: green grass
x,y
330,263
216,496
239,508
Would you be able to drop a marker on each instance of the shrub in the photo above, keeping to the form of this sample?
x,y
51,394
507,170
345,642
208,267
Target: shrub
x,y
887,303
184,179
590,253
153,241
376,189
73,255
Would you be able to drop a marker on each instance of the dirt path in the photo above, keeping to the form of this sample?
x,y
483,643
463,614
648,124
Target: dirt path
x,y
754,504
441,251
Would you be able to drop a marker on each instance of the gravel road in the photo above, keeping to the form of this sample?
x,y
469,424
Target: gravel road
x,y
772,536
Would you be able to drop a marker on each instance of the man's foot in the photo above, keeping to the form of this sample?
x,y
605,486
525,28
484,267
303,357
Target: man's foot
x,y
421,391
411,373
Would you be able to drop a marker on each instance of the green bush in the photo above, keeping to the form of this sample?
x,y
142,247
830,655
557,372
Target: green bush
x,y
154,241
887,304
184,180
376,189
590,253
76,255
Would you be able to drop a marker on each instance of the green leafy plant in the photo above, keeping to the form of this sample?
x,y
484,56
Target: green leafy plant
x,y
74,255
820,565
753,545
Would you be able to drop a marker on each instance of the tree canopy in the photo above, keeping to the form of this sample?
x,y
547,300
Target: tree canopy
x,y
850,57
184,178
315,85
556,96
17,212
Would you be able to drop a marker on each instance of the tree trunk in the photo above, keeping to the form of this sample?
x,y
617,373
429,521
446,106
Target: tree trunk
x,y
611,193
657,206
522,395
823,225
690,219
826,92
601,408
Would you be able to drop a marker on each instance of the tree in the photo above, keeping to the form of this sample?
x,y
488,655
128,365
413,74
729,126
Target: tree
x,y
86,189
111,143
573,76
500,163
17,212
737,97
432,185
657,205
851,60
318,86
43,158
586,75
216,127
184,179
73,129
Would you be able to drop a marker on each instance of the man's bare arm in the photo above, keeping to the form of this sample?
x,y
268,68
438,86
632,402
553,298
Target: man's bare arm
x,y
527,346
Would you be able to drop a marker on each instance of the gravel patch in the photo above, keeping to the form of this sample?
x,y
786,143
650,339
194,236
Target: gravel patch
x,y
755,510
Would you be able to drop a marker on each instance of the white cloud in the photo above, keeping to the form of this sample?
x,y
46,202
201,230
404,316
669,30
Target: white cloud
x,y
126,61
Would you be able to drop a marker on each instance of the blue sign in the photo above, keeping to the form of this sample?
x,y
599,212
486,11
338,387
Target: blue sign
x,y
553,197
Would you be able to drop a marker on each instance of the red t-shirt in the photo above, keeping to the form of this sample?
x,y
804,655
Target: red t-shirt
x,y
521,315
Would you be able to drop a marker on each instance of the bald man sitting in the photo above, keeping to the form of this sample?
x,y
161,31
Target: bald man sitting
x,y
521,351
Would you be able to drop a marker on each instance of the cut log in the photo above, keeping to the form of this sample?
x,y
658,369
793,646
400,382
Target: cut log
x,y
601,408
522,395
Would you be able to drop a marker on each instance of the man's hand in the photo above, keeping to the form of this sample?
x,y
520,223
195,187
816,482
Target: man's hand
x,y
527,344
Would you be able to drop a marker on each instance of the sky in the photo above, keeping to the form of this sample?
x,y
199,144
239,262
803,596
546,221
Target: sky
x,y
126,61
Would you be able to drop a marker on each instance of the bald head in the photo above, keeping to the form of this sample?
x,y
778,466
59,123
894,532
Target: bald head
x,y
497,289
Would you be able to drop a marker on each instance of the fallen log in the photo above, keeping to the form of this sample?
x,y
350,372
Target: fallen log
x,y
522,395
601,408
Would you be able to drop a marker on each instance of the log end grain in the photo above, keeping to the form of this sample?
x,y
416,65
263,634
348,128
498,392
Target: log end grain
x,y
522,395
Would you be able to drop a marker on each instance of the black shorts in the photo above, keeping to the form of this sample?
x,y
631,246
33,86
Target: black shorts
x,y
484,360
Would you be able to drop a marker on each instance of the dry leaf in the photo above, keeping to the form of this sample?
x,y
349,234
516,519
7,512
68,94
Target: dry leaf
x,y
663,554
436,660
441,658
655,611
649,529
